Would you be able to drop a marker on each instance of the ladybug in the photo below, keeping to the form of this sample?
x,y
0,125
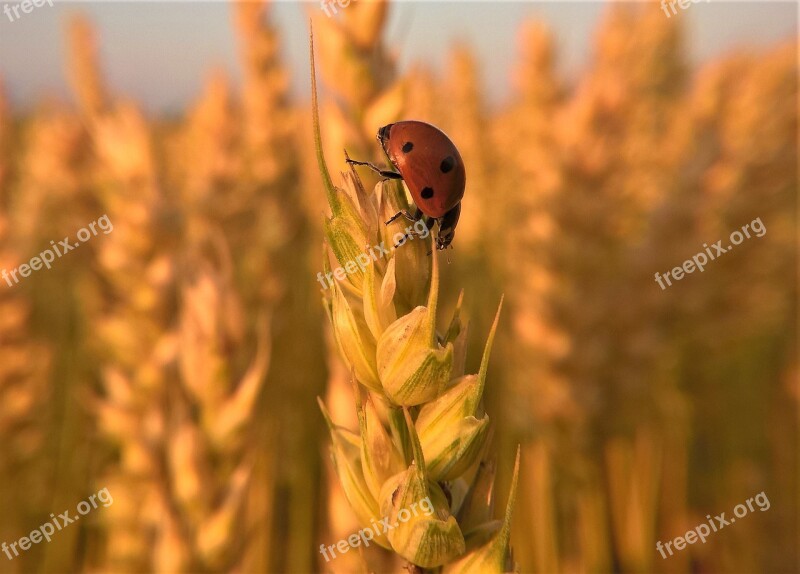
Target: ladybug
x,y
428,161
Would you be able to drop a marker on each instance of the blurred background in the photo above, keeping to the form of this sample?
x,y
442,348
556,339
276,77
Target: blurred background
x,y
176,360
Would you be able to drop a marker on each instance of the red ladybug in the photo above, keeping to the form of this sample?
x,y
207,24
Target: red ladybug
x,y
429,163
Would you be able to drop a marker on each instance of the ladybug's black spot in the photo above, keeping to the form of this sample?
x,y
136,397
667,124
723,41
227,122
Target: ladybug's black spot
x,y
447,164
427,193
407,147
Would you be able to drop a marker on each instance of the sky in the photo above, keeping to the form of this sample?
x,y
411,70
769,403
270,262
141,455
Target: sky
x,y
160,53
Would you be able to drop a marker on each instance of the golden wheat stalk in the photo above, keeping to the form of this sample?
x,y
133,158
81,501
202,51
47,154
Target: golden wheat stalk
x,y
5,143
209,453
273,271
134,339
422,430
261,218
353,53
361,73
25,391
133,327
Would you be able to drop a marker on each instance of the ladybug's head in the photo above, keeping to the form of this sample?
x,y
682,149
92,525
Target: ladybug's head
x,y
447,227
383,136
444,241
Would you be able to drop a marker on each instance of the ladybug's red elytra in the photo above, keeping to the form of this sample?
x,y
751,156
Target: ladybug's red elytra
x,y
429,163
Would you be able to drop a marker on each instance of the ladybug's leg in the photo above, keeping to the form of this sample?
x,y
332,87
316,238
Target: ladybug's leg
x,y
382,172
407,215
418,216
447,227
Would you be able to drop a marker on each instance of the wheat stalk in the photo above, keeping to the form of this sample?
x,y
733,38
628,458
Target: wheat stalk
x,y
131,307
5,144
274,259
210,454
25,391
352,47
134,327
422,430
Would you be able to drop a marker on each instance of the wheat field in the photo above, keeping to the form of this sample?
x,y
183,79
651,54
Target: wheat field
x,y
163,373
